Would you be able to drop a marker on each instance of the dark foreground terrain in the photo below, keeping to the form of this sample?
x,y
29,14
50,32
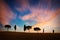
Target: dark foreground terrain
x,y
29,36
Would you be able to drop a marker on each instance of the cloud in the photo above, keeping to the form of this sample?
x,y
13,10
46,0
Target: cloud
x,y
6,15
39,15
42,17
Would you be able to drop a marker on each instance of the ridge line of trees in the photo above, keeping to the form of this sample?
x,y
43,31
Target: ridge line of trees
x,y
25,28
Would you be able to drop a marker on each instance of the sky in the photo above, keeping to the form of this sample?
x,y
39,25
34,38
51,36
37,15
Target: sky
x,y
37,13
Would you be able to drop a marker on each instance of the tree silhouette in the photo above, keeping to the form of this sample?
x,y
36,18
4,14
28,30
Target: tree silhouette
x,y
7,26
15,27
53,31
27,27
24,27
37,29
43,30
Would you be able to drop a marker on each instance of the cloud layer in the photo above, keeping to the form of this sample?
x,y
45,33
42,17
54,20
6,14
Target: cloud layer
x,y
6,15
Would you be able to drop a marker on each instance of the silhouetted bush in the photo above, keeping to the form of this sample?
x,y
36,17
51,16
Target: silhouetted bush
x,y
37,29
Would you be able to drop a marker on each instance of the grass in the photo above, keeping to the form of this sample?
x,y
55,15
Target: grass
x,y
28,36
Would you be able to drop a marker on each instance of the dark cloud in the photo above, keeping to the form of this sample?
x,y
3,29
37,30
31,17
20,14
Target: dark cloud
x,y
34,2
55,4
52,4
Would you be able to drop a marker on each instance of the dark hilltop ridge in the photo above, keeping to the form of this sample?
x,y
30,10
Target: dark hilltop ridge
x,y
6,35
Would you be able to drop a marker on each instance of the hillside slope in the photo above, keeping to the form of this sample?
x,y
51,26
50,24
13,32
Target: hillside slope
x,y
28,36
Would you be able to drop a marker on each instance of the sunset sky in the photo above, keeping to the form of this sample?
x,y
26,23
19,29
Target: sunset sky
x,y
37,13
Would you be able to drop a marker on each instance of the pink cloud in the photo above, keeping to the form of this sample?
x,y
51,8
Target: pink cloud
x,y
24,5
39,15
6,15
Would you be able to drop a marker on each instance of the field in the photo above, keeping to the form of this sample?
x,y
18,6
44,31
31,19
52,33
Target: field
x,y
29,36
